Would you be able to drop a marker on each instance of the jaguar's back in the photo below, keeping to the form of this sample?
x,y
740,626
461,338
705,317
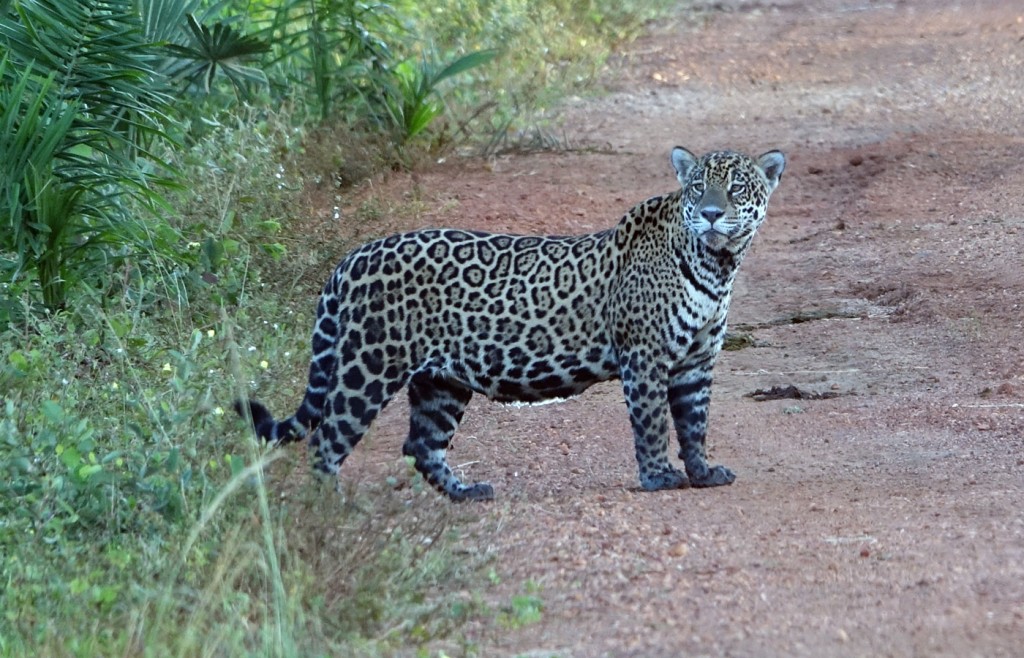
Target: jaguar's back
x,y
515,318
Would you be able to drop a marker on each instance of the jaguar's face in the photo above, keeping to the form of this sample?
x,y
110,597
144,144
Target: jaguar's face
x,y
725,194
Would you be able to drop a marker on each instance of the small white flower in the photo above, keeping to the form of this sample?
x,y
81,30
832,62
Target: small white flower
x,y
264,364
252,348
218,411
64,381
167,367
210,333
113,386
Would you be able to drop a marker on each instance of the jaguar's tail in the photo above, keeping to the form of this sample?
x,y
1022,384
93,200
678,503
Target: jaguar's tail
x,y
277,432
322,378
306,418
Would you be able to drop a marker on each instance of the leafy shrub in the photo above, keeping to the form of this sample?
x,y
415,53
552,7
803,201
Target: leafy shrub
x,y
412,97
336,50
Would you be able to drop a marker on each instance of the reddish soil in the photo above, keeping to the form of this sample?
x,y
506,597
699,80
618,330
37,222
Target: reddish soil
x,y
885,520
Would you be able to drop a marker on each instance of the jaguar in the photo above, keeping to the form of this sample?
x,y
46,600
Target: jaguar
x,y
525,319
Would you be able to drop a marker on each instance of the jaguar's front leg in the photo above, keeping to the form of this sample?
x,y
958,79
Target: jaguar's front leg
x,y
644,383
689,395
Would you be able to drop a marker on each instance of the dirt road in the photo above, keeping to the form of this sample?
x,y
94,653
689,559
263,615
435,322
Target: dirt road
x,y
883,520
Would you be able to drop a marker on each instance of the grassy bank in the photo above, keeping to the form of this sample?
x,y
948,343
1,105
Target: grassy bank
x,y
137,515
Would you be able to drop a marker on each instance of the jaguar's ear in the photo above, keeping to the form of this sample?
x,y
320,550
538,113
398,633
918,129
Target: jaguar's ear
x,y
683,161
772,164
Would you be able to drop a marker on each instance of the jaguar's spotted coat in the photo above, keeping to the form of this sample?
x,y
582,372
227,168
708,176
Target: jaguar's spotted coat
x,y
526,319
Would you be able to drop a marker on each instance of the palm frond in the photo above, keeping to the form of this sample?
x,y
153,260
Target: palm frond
x,y
80,107
162,20
220,47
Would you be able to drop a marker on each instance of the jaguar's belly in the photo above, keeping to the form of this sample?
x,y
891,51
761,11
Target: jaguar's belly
x,y
539,380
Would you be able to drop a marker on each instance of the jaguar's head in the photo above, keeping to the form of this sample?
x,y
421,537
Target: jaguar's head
x,y
725,194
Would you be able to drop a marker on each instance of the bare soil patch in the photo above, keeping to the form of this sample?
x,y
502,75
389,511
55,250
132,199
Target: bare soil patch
x,y
880,514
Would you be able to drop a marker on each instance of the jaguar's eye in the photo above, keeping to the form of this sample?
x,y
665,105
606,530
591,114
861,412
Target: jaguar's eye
x,y
697,187
736,189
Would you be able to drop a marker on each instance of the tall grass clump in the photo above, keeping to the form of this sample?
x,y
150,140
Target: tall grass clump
x,y
135,517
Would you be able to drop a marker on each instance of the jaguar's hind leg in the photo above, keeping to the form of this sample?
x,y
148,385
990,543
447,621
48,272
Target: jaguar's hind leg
x,y
348,413
437,405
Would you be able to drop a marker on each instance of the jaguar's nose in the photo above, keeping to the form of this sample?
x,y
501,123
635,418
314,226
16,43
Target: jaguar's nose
x,y
712,213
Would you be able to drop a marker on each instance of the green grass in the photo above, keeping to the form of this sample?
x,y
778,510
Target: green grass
x,y
138,517
137,514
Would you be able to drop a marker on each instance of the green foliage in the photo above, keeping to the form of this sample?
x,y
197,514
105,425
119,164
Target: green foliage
x,y
343,53
550,49
81,106
163,20
38,209
134,514
524,609
243,193
65,472
197,48
93,458
336,50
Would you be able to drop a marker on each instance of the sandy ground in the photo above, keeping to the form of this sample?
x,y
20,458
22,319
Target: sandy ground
x,y
883,520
